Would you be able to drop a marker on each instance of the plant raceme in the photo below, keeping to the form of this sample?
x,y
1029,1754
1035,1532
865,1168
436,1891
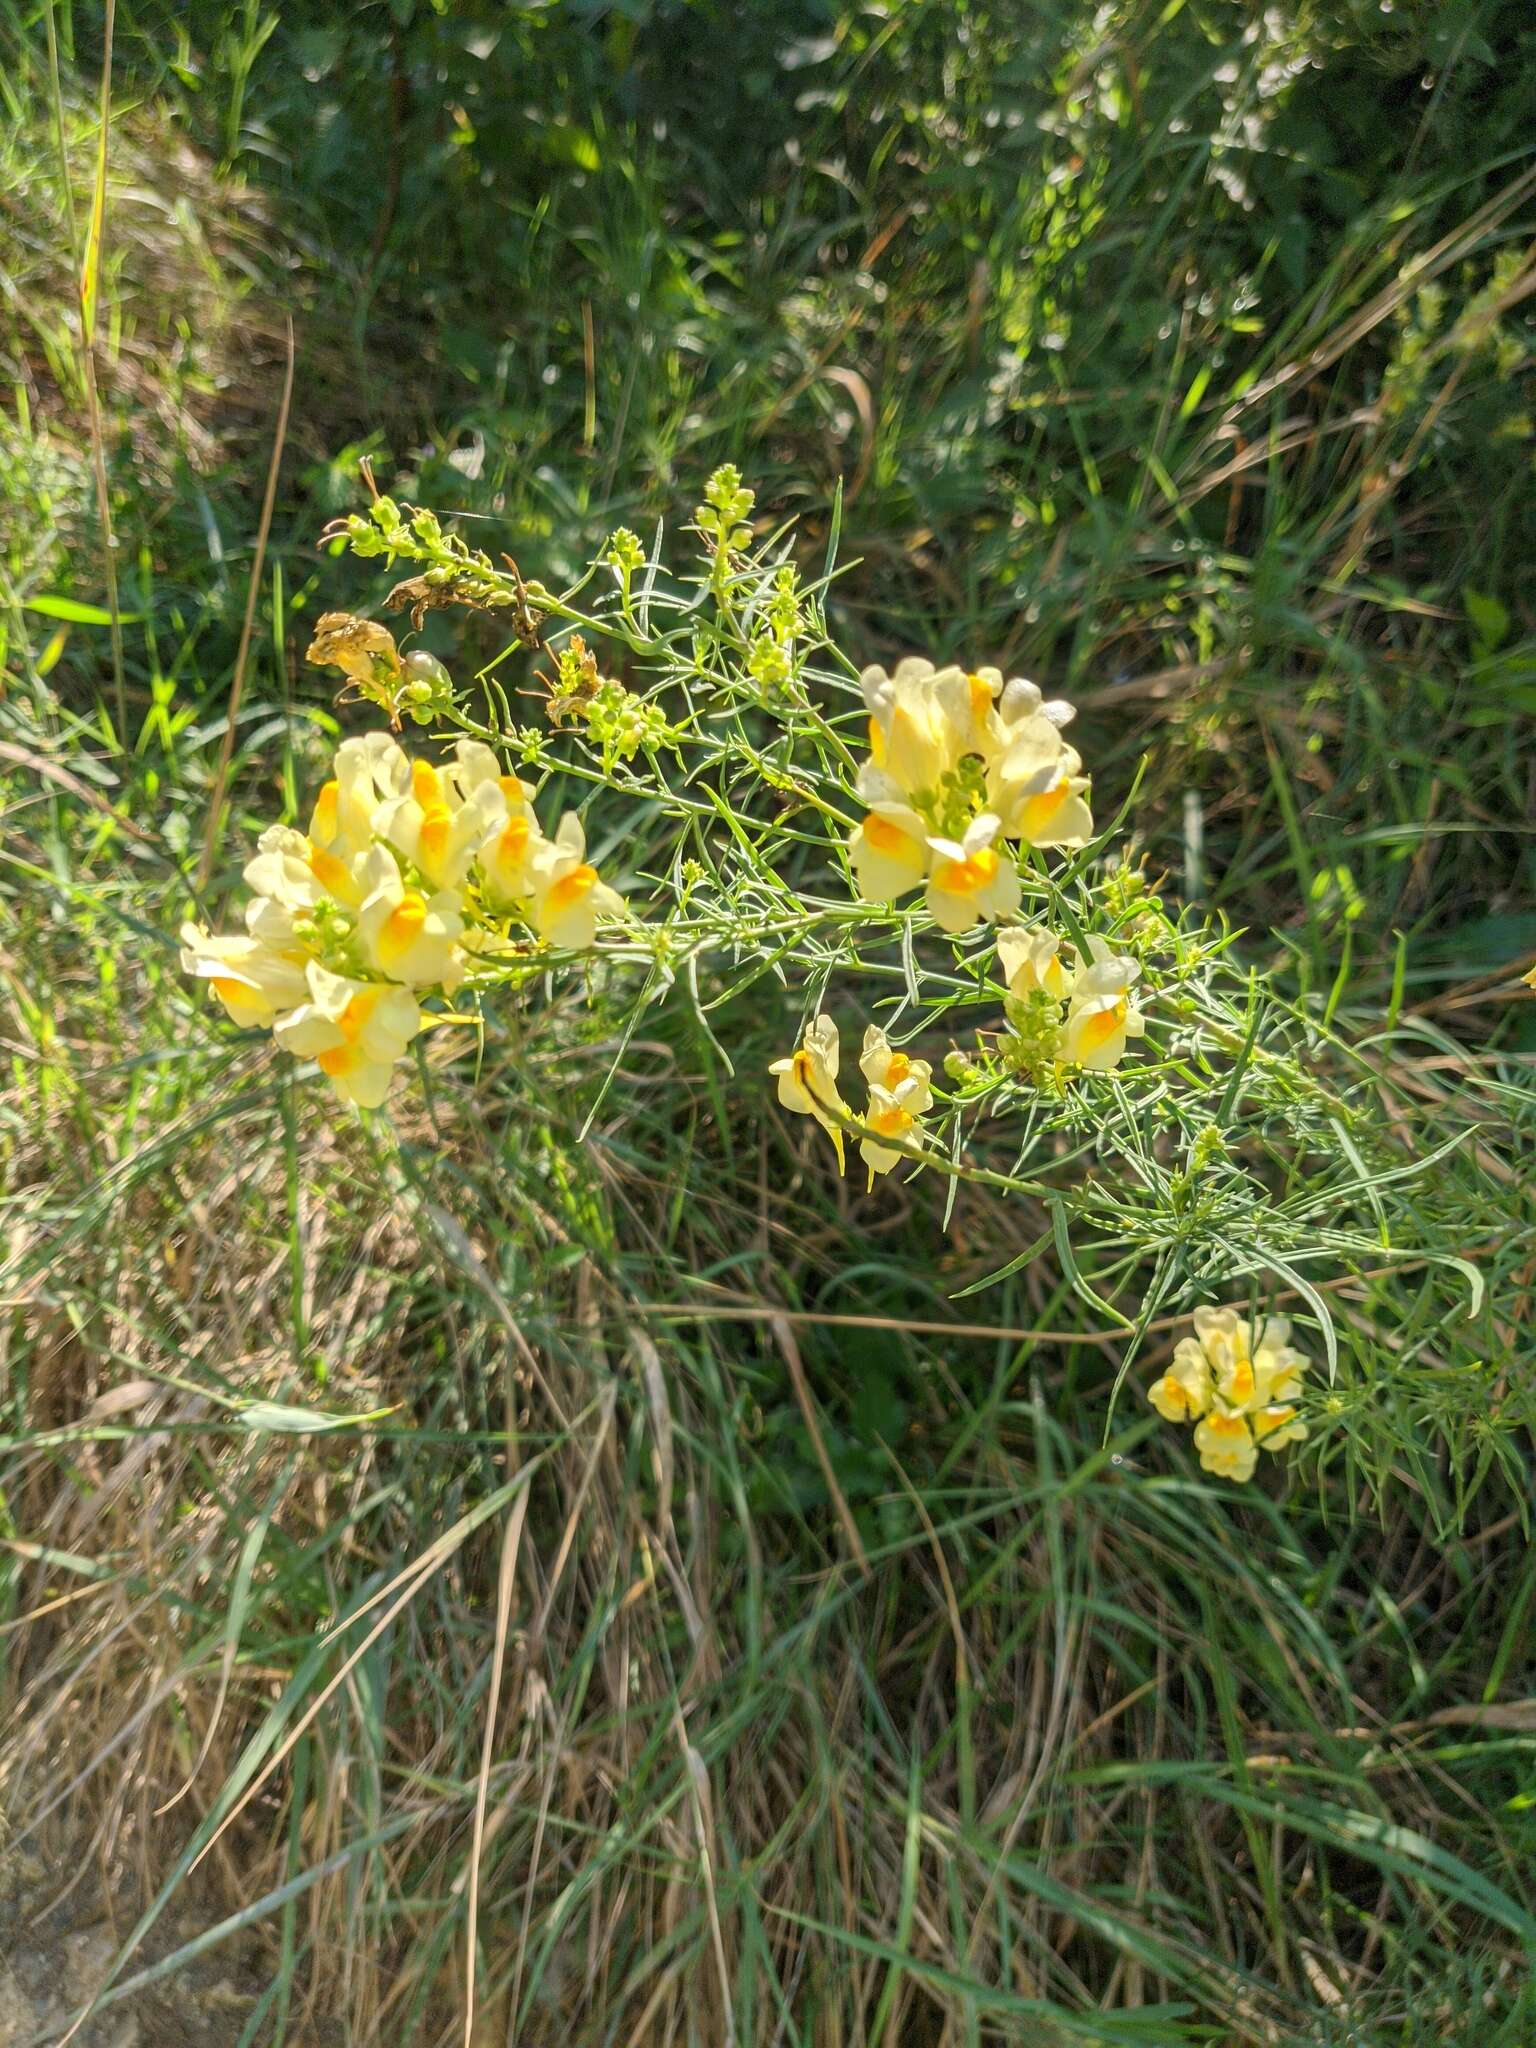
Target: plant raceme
x,y
959,765
1237,1382
407,873
925,831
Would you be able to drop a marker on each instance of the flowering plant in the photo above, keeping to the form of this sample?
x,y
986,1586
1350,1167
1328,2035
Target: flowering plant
x,y
915,847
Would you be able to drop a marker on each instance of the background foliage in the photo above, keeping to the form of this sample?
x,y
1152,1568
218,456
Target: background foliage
x,y
844,1683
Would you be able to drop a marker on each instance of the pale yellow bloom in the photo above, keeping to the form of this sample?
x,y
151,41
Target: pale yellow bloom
x,y
924,720
405,935
1252,1364
276,924
339,903
1236,1380
913,740
473,766
883,1066
900,1089
1102,1016
1277,1426
253,980
892,1113
1038,792
515,846
566,894
980,711
960,762
1530,978
440,827
506,859
807,1080
367,772
888,851
1032,958
1226,1446
355,1031
297,874
1184,1391
970,700
970,879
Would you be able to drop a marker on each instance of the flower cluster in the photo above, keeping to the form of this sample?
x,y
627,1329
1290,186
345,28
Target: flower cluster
x,y
1236,1381
899,1092
959,764
414,877
1044,974
406,870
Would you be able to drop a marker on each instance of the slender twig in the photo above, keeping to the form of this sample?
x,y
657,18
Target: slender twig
x,y
754,1312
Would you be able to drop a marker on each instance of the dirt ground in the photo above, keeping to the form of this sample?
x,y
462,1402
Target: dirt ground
x,y
57,1942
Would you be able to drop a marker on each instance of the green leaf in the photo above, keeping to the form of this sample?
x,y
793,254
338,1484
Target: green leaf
x,y
280,1420
77,614
1489,620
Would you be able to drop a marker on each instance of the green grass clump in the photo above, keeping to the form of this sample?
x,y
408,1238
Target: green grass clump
x,y
564,1517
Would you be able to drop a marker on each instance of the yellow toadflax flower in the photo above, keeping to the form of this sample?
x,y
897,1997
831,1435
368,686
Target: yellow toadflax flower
x,y
1032,958
807,1080
1236,1381
970,879
474,766
566,894
440,826
348,921
1020,704
985,714
913,738
1226,1446
355,1031
252,979
961,762
899,1091
970,700
1252,1364
1037,789
1278,1425
888,850
1184,1392
405,935
505,858
884,1066
1101,1016
294,872
892,1113
367,772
